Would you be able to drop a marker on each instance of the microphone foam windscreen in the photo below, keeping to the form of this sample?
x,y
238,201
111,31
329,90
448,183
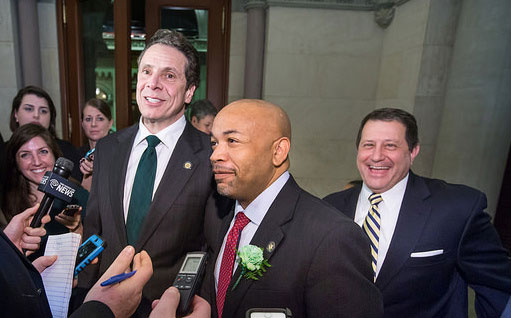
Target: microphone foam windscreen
x,y
65,164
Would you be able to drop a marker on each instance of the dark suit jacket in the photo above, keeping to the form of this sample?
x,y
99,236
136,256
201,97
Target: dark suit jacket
x,y
174,223
436,215
21,287
320,266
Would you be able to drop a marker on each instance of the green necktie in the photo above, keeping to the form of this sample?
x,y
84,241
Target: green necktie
x,y
142,190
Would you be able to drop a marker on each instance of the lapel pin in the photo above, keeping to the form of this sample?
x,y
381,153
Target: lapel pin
x,y
187,165
270,247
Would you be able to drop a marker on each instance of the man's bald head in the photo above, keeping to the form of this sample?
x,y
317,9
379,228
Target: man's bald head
x,y
262,113
251,142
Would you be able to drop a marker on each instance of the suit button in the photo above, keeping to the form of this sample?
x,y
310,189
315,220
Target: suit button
x,y
39,291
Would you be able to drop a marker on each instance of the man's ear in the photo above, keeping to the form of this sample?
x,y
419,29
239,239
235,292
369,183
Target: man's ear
x,y
195,121
189,94
281,151
415,152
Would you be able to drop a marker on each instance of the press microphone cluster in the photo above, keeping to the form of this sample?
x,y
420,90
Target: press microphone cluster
x,y
55,184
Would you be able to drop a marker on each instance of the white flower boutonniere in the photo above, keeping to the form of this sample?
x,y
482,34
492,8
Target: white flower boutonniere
x,y
252,262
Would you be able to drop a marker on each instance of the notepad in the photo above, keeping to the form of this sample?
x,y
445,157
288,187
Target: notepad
x,y
58,278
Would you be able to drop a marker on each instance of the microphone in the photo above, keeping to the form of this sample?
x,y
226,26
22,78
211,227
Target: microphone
x,y
54,185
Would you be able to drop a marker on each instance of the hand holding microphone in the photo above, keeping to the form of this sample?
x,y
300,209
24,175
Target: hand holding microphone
x,y
22,236
54,184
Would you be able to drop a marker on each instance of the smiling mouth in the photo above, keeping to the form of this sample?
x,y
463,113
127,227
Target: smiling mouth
x,y
153,100
379,168
39,170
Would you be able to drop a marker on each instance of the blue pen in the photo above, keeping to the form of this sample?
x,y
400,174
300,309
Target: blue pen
x,y
117,278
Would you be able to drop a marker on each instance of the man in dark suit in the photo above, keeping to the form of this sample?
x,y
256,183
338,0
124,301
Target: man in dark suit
x,y
320,264
176,187
429,239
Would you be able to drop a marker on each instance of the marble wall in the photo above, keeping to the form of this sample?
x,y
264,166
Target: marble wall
x,y
237,55
8,70
322,67
475,134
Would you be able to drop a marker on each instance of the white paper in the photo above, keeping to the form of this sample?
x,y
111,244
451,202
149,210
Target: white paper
x,y
58,278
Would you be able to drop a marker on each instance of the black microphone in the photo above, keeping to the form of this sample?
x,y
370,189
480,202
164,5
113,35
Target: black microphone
x,y
54,185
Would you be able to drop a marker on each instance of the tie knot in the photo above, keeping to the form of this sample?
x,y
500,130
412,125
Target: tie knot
x,y
375,198
152,141
241,220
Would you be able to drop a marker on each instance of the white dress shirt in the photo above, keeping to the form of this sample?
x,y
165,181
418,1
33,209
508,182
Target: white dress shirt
x,y
389,212
255,211
168,137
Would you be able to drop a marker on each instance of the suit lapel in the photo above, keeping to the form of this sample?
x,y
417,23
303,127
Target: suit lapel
x,y
413,215
118,177
270,231
181,166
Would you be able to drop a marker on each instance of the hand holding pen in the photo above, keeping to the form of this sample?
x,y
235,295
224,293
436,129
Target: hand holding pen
x,y
123,297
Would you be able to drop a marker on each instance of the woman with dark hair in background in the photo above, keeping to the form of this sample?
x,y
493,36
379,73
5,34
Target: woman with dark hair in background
x,y
96,123
34,105
30,153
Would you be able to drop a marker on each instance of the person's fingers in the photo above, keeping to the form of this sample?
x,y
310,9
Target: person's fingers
x,y
143,265
200,308
46,219
69,221
167,305
155,303
37,232
31,238
29,248
83,170
26,216
120,264
86,167
28,239
64,218
29,212
43,262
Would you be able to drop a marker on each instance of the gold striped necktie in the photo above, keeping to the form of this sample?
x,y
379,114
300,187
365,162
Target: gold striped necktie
x,y
372,227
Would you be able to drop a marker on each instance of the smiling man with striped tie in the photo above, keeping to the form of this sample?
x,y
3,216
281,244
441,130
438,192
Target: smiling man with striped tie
x,y
320,262
429,239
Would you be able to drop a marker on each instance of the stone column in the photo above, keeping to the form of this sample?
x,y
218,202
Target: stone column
x,y
254,55
29,45
475,134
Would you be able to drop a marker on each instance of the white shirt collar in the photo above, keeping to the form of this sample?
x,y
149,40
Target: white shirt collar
x,y
166,135
392,197
257,209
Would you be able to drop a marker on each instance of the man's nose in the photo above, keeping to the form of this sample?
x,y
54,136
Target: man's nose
x,y
218,154
377,154
153,82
